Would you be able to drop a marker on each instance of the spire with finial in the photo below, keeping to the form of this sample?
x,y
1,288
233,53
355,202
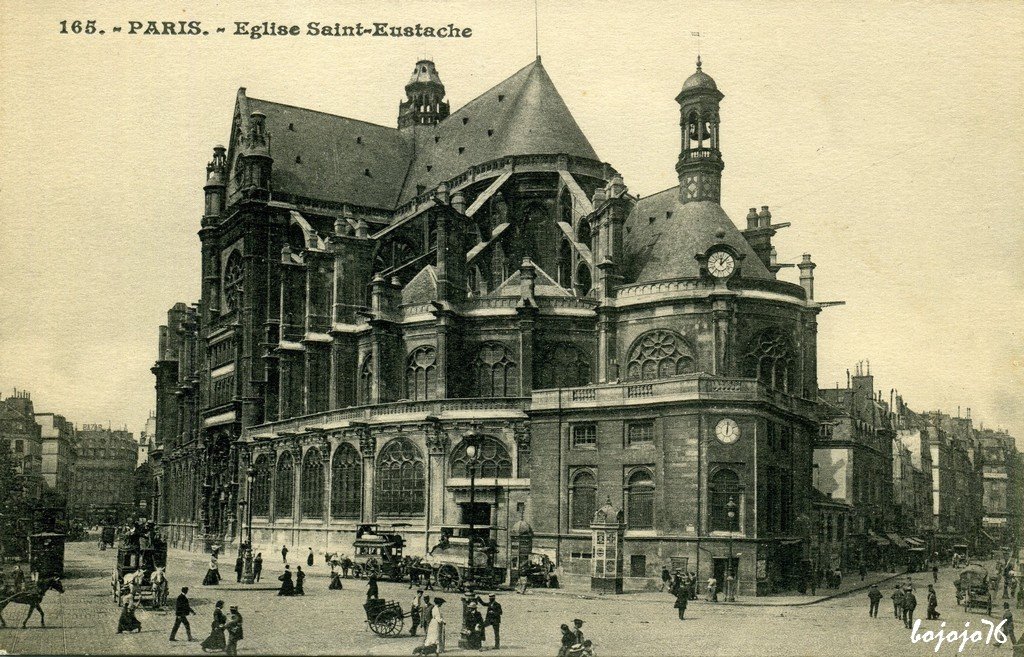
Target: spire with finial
x,y
700,160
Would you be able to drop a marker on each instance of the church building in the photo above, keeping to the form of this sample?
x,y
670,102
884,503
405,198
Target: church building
x,y
371,295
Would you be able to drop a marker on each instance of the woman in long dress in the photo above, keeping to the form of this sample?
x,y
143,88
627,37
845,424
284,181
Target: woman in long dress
x,y
212,575
287,587
128,622
216,639
335,580
300,579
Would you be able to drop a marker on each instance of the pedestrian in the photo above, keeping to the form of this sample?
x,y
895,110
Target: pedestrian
x,y
216,639
712,589
212,573
415,610
128,622
493,619
182,609
862,571
433,642
238,568
346,566
371,588
234,631
287,586
897,603
473,630
257,566
428,609
874,597
567,640
335,584
1007,623
284,554
577,631
909,605
933,603
300,578
935,573
665,577
681,602
309,558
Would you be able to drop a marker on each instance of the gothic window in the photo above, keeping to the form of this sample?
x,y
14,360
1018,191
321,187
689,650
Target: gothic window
x,y
565,206
260,486
421,374
725,496
584,282
583,235
770,360
296,238
312,485
346,482
366,381
284,484
640,500
582,500
565,265
561,365
232,281
403,252
495,371
400,479
492,460
657,355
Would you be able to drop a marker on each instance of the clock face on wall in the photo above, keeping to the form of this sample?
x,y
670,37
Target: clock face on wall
x,y
727,431
721,264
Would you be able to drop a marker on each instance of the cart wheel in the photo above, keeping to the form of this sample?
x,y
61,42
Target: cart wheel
x,y
448,577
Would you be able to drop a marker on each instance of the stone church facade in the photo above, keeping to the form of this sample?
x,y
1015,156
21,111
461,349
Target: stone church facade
x,y
371,294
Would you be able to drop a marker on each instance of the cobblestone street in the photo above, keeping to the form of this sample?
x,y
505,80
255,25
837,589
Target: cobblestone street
x,y
331,622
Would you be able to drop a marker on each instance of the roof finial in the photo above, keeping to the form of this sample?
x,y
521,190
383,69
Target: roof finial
x,y
698,61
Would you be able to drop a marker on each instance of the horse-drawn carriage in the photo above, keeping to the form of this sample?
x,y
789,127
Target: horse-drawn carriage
x,y
107,536
450,558
972,588
378,553
139,573
385,618
46,554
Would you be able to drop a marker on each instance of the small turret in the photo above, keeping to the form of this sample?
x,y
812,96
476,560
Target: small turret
x,y
216,177
256,161
700,160
424,104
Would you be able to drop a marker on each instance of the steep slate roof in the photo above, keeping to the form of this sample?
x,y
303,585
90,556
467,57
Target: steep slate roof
x,y
333,163
525,116
665,248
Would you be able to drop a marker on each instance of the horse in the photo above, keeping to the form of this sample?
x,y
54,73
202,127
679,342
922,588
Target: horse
x,y
32,597
158,579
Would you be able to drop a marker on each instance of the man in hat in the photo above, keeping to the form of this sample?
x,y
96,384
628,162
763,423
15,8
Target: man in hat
x,y
182,608
493,619
428,610
414,612
682,599
234,631
874,597
897,603
577,630
933,603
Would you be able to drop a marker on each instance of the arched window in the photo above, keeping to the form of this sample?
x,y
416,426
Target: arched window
x,y
770,359
565,206
284,484
561,365
583,234
584,283
640,500
421,374
312,484
346,482
492,460
657,355
400,479
565,265
296,238
261,486
232,281
582,500
366,381
495,371
725,495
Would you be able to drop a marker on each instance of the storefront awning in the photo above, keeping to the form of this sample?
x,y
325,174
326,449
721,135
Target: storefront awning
x,y
914,542
878,540
896,540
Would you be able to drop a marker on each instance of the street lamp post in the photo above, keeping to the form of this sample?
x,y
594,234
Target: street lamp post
x,y
730,580
472,441
247,573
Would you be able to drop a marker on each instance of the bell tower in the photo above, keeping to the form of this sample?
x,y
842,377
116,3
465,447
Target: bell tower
x,y
425,103
700,160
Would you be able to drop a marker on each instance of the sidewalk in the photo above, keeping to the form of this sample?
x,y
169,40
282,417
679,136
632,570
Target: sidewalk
x,y
849,585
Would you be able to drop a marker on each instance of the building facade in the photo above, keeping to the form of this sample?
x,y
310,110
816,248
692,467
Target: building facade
x,y
371,294
23,434
1001,523
59,452
104,474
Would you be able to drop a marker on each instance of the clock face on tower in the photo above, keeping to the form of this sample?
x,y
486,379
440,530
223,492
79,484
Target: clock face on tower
x,y
721,264
727,431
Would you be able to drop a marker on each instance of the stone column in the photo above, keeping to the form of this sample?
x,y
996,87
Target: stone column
x,y
437,442
368,450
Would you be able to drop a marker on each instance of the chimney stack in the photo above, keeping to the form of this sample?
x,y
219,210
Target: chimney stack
x,y
806,274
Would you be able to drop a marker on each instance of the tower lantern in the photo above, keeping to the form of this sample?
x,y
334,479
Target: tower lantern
x,y
424,104
216,172
700,160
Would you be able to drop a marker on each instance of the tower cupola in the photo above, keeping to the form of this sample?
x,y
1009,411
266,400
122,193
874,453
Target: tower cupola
x,y
700,160
216,179
424,104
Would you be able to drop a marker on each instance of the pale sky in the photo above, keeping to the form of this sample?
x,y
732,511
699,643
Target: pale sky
x,y
889,134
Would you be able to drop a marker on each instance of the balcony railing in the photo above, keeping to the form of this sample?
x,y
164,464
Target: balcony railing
x,y
482,406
